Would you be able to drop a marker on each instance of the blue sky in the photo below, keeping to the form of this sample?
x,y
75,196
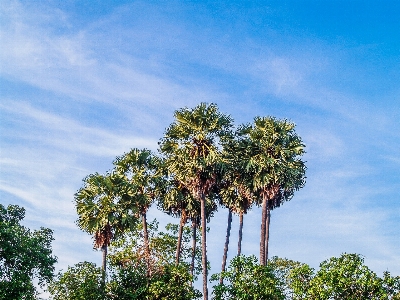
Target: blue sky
x,y
84,81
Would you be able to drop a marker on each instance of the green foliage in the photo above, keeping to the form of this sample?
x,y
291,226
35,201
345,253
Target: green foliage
x,y
176,200
129,250
129,282
346,277
24,255
284,269
391,286
174,282
192,149
80,282
84,282
234,192
202,162
139,167
300,281
247,280
105,207
169,282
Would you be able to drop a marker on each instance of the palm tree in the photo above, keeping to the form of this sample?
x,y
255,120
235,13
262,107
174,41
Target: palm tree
x,y
270,153
235,196
193,155
176,200
104,207
233,192
140,168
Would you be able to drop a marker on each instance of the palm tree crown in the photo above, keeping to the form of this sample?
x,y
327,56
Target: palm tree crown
x,y
191,145
141,169
104,207
271,153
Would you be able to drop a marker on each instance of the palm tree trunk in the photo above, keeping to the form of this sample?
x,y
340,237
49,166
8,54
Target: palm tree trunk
x,y
204,243
146,244
104,262
179,244
228,233
194,228
263,230
240,233
267,222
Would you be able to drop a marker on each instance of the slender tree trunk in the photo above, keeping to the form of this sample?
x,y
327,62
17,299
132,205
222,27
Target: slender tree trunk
x,y
194,228
263,229
267,222
146,244
179,244
204,243
228,233
240,233
104,263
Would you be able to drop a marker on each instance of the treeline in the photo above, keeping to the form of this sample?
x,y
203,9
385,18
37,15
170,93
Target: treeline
x,y
344,277
27,255
203,163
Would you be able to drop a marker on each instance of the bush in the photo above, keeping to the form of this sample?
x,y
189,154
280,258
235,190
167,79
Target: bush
x,y
247,280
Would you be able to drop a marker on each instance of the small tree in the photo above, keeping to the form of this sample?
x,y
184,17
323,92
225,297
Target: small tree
x,y
130,249
176,200
238,200
174,282
247,280
170,282
285,270
129,279
24,255
346,277
82,281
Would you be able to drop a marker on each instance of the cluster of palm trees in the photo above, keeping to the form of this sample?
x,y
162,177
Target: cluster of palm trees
x,y
202,163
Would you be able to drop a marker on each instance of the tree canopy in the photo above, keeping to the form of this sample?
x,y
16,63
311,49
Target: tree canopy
x,y
202,165
25,255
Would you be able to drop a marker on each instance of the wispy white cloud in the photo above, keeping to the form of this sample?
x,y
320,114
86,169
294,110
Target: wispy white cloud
x,y
68,134
67,64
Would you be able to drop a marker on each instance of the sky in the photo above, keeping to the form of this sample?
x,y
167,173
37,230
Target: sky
x,y
82,82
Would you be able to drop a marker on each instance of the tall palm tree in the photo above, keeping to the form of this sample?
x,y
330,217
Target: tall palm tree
x,y
235,196
233,191
104,207
270,152
176,200
141,169
193,155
